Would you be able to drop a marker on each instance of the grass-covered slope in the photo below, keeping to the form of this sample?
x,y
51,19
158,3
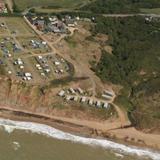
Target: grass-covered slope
x,y
135,64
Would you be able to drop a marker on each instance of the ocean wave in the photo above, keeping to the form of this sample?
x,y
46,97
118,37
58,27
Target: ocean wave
x,y
55,133
16,145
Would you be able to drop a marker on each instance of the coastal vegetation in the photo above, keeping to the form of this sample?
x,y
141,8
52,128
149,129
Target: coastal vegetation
x,y
120,6
134,64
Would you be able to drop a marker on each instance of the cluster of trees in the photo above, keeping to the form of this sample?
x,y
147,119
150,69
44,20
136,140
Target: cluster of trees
x,y
135,43
134,62
120,6
15,7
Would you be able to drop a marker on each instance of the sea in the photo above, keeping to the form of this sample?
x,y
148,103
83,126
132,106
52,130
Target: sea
x,y
33,141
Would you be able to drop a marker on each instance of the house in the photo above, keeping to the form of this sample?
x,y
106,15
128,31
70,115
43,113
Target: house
x,y
53,19
53,28
40,24
56,27
70,22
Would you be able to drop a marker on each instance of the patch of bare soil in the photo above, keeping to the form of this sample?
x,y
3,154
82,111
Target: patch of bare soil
x,y
102,38
36,99
108,49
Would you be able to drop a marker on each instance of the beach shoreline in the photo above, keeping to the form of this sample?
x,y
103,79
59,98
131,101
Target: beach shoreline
x,y
46,130
71,127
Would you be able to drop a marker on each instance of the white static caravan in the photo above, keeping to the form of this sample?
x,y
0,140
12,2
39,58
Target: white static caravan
x,y
72,90
90,102
28,74
57,63
106,105
110,93
80,90
75,98
83,99
98,103
61,93
68,98
106,96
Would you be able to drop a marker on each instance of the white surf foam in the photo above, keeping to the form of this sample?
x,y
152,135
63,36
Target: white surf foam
x,y
9,129
16,145
52,132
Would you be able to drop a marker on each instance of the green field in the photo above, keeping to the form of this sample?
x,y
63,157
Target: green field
x,y
23,4
18,25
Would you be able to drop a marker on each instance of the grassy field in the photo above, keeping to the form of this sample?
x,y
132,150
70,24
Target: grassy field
x,y
17,24
23,4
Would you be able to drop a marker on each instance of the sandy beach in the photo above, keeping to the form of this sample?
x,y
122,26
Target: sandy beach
x,y
127,135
